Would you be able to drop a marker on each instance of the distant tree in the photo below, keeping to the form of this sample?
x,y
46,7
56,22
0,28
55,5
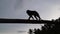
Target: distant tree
x,y
30,31
38,31
35,31
57,20
53,20
43,28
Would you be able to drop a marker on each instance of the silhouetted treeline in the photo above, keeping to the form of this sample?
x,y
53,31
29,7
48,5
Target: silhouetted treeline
x,y
56,20
46,29
49,28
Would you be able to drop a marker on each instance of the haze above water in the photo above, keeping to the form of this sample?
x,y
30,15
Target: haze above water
x,y
8,28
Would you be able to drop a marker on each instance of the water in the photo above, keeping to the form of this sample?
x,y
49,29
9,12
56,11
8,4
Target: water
x,y
19,28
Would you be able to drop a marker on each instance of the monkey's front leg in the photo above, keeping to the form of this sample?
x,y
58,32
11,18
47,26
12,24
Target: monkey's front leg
x,y
32,18
29,18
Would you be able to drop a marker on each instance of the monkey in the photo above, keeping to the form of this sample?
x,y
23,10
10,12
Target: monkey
x,y
33,13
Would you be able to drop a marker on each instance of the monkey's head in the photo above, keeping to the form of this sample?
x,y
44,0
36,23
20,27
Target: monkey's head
x,y
28,11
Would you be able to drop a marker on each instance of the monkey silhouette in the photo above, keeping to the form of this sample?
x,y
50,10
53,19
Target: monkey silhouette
x,y
33,13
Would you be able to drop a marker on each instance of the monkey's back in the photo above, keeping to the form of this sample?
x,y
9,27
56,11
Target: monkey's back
x,y
32,13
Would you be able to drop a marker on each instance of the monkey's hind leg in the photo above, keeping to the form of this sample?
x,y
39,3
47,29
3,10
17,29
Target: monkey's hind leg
x,y
36,17
39,17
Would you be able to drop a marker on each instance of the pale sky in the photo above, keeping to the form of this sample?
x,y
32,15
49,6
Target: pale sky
x,y
47,9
